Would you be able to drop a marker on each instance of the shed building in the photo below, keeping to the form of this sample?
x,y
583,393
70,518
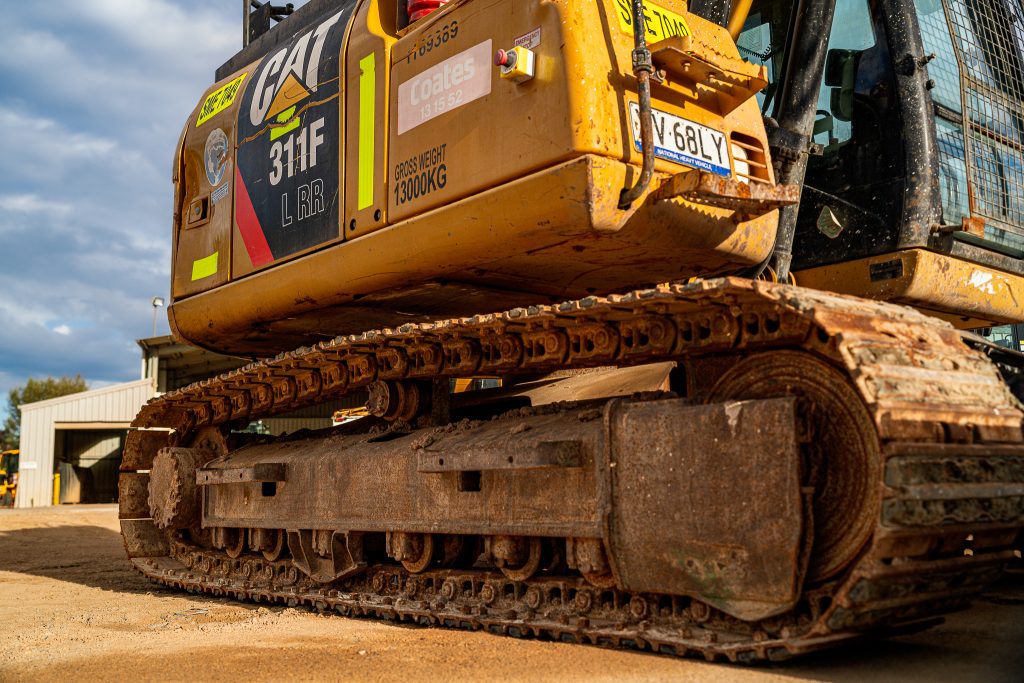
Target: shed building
x,y
80,437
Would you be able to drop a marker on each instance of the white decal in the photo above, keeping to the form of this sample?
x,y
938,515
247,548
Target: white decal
x,y
297,153
302,61
29,466
529,40
310,202
454,82
220,193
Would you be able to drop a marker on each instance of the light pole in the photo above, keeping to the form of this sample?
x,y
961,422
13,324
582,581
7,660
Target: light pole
x,y
157,302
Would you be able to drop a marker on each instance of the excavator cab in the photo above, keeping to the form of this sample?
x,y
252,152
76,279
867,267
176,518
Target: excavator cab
x,y
914,182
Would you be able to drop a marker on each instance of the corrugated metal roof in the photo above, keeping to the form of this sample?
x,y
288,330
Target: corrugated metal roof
x,y
91,395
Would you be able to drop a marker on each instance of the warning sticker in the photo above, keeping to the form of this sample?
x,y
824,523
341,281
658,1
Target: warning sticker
x,y
219,100
528,40
454,82
660,22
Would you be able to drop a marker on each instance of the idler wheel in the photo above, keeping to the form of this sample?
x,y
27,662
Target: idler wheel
x,y
174,500
840,448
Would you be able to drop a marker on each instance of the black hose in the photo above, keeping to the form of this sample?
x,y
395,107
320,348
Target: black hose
x,y
799,86
642,69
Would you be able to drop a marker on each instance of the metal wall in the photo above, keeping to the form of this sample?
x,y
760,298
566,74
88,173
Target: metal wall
x,y
117,404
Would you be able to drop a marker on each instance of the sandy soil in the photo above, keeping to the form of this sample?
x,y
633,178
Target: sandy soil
x,y
71,608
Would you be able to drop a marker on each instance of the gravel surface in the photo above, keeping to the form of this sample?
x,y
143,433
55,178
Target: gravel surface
x,y
72,608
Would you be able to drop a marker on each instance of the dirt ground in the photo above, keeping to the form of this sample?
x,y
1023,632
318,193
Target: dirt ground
x,y
72,608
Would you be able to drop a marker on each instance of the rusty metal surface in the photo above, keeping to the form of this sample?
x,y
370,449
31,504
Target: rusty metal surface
x,y
143,539
375,481
325,555
727,193
132,494
140,447
693,60
543,455
839,448
713,509
923,390
264,471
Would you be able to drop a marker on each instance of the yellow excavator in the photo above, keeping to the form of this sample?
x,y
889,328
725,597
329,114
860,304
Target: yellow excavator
x,y
8,477
736,410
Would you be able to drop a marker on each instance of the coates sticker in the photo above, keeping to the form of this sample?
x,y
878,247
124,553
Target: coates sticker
x,y
446,86
660,22
219,100
286,199
529,40
216,156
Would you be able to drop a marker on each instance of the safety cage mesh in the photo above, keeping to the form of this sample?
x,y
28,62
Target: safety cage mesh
x,y
978,71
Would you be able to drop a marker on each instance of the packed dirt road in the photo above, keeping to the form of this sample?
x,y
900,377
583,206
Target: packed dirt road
x,y
72,608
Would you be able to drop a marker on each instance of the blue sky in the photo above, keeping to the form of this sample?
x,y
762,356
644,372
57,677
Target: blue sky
x,y
93,96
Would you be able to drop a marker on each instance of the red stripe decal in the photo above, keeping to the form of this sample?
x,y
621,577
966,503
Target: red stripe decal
x,y
249,226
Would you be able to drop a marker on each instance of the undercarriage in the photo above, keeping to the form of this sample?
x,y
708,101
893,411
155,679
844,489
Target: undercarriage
x,y
730,469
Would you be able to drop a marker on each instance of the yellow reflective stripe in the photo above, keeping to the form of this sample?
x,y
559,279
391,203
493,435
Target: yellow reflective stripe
x,y
285,117
660,22
204,267
219,100
367,122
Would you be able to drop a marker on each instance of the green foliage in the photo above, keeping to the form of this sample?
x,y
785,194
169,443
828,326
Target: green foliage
x,y
35,390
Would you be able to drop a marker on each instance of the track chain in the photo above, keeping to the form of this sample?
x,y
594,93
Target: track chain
x,y
953,484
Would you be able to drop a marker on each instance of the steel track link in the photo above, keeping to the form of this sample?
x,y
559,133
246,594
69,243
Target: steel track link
x,y
952,482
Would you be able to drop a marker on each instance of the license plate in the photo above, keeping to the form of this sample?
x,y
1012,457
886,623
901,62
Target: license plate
x,y
684,142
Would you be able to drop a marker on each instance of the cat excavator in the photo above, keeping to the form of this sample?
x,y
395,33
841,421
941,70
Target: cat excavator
x,y
735,409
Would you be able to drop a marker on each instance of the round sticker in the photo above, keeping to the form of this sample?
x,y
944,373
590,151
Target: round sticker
x,y
216,157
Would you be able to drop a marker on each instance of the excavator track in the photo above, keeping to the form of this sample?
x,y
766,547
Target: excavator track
x,y
946,492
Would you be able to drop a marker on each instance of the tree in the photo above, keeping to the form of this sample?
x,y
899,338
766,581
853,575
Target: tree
x,y
35,390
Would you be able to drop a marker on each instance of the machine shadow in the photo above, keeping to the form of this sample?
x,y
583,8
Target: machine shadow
x,y
88,555
94,556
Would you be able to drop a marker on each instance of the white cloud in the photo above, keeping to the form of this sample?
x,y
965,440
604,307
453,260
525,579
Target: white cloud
x,y
158,27
39,150
62,330
30,314
30,203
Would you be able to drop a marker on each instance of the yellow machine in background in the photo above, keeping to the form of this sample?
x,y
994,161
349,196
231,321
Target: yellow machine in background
x,y
8,477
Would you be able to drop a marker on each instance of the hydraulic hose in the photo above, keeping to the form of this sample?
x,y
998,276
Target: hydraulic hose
x,y
642,69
